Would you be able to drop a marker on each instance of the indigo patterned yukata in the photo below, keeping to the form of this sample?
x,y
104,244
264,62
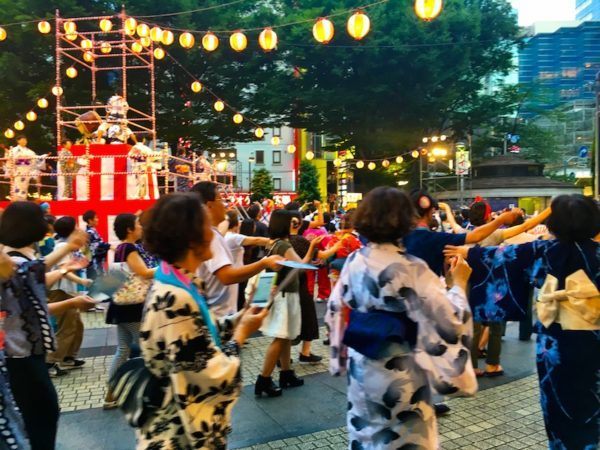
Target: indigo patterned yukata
x,y
568,342
389,399
99,251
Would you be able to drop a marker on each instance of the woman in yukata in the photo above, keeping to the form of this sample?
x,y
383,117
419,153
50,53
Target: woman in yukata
x,y
406,334
567,271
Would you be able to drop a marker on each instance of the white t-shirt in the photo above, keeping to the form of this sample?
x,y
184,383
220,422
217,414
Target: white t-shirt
x,y
70,287
234,242
221,299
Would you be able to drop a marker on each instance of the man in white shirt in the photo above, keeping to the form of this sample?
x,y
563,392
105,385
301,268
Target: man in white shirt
x,y
219,273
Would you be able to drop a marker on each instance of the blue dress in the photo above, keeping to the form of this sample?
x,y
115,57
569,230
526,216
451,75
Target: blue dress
x,y
568,361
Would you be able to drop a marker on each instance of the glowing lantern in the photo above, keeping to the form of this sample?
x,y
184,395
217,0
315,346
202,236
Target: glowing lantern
x,y
267,39
385,163
31,116
291,148
238,118
70,27
88,57
360,164
275,140
167,37
337,162
323,30
428,9
196,86
143,30
130,25
259,133
105,48
186,40
86,44
2,34
219,106
372,166
399,159
145,41
210,42
424,151
71,36
156,34
358,25
9,133
71,72
57,91
42,103
432,159
136,47
19,125
159,53
105,25
415,154
44,27
310,155
238,41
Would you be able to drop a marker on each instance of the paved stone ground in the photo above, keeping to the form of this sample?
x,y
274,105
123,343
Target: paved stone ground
x,y
504,415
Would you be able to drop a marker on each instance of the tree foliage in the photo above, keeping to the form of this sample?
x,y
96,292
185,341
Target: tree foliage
x,y
262,185
308,183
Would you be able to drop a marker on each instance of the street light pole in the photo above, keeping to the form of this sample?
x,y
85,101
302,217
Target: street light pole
x,y
597,140
250,161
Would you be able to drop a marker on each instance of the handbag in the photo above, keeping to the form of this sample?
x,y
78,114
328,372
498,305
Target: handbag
x,y
371,333
135,289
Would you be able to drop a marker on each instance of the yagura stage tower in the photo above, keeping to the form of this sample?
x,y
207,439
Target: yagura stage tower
x,y
91,45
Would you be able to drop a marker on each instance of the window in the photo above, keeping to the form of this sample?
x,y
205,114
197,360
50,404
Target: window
x,y
277,184
276,157
260,156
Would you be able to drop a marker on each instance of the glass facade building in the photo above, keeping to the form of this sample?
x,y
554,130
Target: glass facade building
x,y
587,10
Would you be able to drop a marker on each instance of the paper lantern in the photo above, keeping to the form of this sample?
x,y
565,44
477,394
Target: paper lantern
x,y
415,154
238,118
275,140
210,42
360,164
156,34
337,162
167,37
358,25
44,27
372,166
434,139
88,57
105,48
310,155
9,134
196,86
443,137
428,9
259,133
70,27
399,159
186,40
159,53
145,41
31,116
57,91
71,36
71,72
267,39
431,159
130,25
238,41
42,103
136,47
219,106
86,44
291,148
2,34
19,125
385,163
106,25
424,151
323,30
142,30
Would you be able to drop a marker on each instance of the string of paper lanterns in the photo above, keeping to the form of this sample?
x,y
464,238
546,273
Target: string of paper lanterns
x,y
31,116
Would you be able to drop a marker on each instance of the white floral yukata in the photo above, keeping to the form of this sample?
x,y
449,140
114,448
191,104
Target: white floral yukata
x,y
389,400
205,380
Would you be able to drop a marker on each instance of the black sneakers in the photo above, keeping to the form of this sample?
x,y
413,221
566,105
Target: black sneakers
x,y
54,371
310,359
71,363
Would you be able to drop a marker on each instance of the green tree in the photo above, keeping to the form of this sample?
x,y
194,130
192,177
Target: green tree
x,y
262,185
308,183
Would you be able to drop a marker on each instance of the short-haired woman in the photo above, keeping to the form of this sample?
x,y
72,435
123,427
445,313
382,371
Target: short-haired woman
x,y
392,374
284,320
127,317
567,272
179,339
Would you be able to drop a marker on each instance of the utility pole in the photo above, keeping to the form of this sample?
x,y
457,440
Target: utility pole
x,y
597,140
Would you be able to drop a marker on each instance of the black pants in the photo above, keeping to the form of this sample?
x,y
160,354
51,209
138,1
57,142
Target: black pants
x,y
36,397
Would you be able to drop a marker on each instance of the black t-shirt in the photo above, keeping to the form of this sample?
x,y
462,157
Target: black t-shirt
x,y
124,313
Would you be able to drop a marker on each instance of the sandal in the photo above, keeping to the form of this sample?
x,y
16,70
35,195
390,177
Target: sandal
x,y
496,373
479,373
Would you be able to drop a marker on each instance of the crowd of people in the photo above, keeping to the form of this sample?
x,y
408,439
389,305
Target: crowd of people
x,y
416,293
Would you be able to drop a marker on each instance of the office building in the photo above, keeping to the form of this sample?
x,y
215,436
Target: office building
x,y
587,10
